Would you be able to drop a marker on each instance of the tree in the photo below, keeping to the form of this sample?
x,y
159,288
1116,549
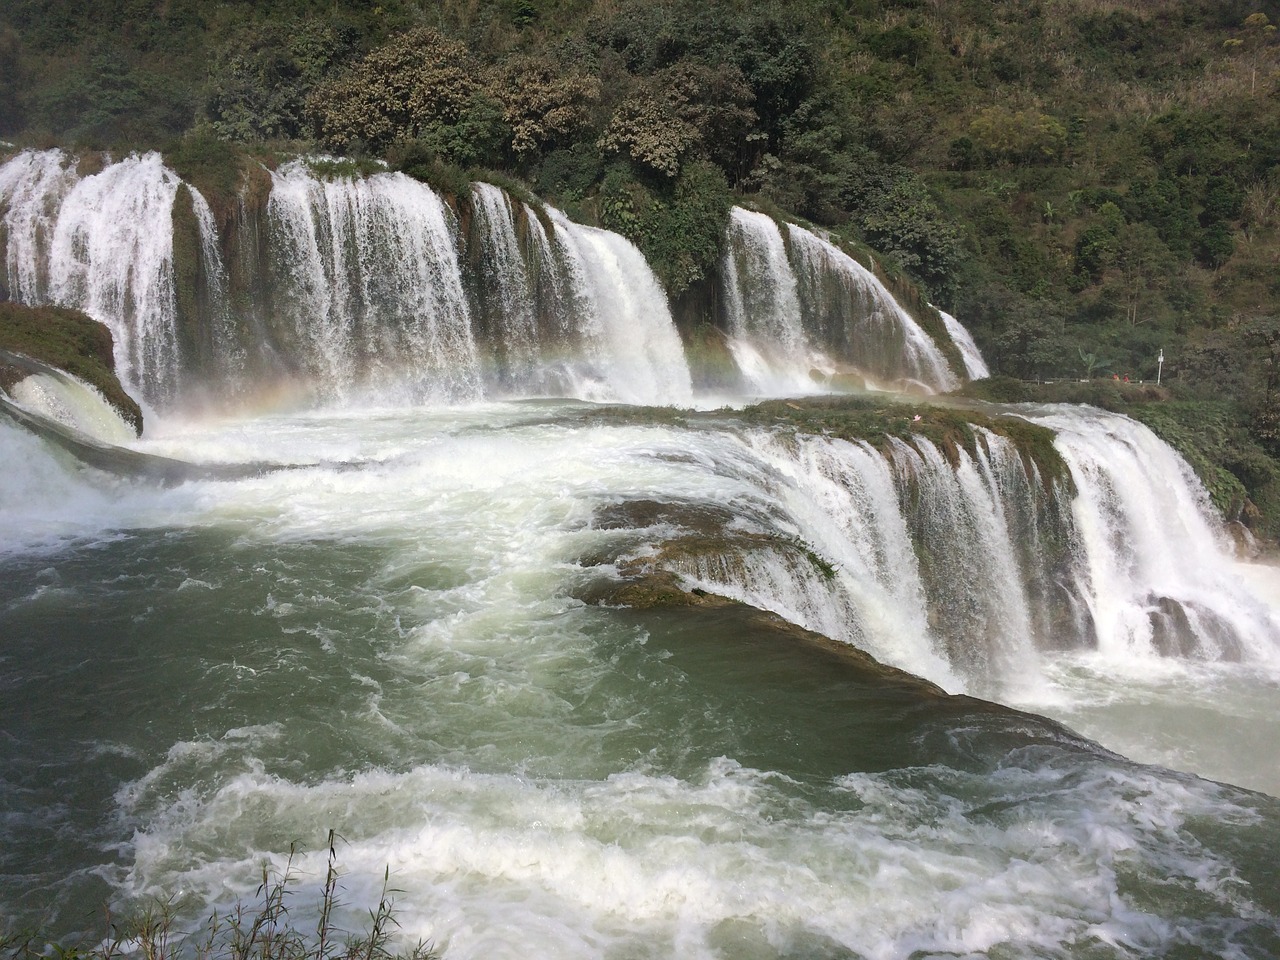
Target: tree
x,y
906,223
402,91
1254,45
684,111
1022,136
543,103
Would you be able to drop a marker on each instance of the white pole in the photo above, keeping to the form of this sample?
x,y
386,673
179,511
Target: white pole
x,y
1159,366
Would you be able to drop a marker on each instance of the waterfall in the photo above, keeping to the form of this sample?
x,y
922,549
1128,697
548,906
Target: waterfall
x,y
102,244
974,365
860,319
766,328
369,286
935,564
338,287
32,185
508,303
630,349
798,305
967,567
1154,568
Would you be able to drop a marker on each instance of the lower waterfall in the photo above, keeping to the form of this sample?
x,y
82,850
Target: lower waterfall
x,y
380,628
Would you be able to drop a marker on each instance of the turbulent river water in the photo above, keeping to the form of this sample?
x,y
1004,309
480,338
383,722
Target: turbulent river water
x,y
386,639
594,677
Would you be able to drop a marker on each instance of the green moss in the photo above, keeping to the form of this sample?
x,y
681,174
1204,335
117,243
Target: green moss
x,y
214,167
70,341
420,162
874,417
343,168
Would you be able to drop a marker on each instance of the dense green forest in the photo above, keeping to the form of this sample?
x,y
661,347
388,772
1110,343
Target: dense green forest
x,y
1083,182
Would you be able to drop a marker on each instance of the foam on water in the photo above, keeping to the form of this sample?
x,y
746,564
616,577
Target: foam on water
x,y
74,404
386,641
883,865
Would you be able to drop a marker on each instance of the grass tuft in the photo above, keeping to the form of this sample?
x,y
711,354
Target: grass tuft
x,y
262,930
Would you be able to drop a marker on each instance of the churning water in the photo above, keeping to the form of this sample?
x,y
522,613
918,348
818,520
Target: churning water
x,y
384,636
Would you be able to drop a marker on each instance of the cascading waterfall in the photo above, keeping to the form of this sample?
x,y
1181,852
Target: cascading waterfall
x,y
355,285
974,364
630,348
767,336
798,305
854,313
32,185
969,569
1154,566
400,626
509,303
370,283
935,564
102,244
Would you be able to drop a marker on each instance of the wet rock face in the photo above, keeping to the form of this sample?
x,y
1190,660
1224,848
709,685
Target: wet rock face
x,y
1187,630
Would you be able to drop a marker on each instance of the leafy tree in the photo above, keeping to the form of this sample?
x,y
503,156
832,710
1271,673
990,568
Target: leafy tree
x,y
1021,136
1254,45
413,85
264,76
542,103
679,225
682,111
647,129
907,223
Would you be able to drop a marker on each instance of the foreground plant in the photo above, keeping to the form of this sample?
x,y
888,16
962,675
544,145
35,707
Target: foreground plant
x,y
262,930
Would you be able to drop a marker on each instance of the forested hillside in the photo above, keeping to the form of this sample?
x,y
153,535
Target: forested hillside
x,y
1083,182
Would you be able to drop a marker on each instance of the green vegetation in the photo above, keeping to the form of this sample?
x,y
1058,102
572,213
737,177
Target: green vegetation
x,y
1064,175
70,341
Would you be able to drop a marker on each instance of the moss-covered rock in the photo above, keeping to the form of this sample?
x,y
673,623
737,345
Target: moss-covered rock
x,y
70,341
875,417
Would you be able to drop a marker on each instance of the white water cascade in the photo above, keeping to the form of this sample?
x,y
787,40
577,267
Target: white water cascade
x,y
854,311
630,349
32,186
974,364
371,285
1154,568
509,304
102,244
798,306
938,568
340,288
767,336
972,571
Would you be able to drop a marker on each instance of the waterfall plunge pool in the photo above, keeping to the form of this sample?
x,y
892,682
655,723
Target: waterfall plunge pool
x,y
387,640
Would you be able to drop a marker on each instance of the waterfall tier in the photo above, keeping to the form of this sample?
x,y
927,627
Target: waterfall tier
x,y
338,288
342,288
969,563
798,306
